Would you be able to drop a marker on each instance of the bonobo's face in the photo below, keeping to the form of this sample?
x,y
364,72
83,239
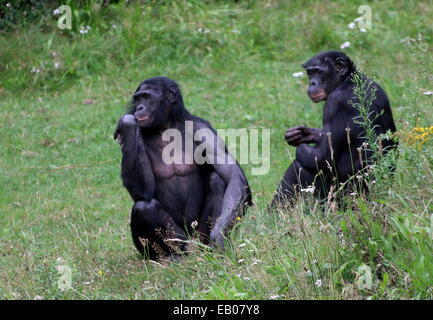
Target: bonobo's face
x,y
325,72
151,106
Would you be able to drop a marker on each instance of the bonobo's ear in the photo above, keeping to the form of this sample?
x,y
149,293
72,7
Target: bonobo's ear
x,y
341,65
172,93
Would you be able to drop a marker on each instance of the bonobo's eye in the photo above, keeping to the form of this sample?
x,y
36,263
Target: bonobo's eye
x,y
313,71
146,96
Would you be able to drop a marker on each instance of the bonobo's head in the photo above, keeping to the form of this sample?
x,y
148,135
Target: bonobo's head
x,y
325,72
156,101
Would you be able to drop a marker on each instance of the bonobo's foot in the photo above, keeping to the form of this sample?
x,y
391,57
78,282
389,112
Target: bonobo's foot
x,y
126,124
216,239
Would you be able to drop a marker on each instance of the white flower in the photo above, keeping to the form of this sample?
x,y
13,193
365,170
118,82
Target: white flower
x,y
318,283
309,189
298,74
56,65
8,5
241,260
35,70
56,12
363,30
428,93
274,296
358,19
345,45
113,26
351,25
255,262
84,30
203,30
242,245
247,278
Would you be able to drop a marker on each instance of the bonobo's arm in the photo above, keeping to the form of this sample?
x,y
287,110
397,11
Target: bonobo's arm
x,y
237,193
301,134
314,157
137,174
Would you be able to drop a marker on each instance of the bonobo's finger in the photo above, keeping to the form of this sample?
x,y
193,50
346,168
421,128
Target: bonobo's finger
x,y
294,140
292,133
306,130
296,128
295,143
293,136
127,121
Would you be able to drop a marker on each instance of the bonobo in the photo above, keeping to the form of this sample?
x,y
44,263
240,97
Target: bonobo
x,y
175,199
330,155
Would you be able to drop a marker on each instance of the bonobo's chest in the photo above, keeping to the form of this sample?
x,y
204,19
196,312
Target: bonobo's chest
x,y
167,159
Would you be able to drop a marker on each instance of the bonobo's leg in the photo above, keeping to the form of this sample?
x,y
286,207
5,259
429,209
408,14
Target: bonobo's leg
x,y
137,172
212,205
295,178
153,230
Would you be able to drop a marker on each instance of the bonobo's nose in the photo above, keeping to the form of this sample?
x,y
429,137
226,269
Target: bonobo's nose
x,y
140,107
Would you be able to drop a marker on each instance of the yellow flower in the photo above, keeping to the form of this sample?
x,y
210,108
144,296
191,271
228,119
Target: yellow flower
x,y
418,136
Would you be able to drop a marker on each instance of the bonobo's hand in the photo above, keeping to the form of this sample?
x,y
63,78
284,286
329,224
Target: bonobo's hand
x,y
301,134
294,136
127,120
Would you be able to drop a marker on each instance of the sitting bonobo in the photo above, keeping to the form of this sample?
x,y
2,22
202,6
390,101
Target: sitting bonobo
x,y
201,189
331,155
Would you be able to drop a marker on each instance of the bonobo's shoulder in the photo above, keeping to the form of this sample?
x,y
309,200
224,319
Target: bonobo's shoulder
x,y
200,123
380,92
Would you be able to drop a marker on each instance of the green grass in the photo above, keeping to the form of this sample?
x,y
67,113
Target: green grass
x,y
60,189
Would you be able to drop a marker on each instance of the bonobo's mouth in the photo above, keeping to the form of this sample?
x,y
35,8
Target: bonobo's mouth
x,y
319,96
142,118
